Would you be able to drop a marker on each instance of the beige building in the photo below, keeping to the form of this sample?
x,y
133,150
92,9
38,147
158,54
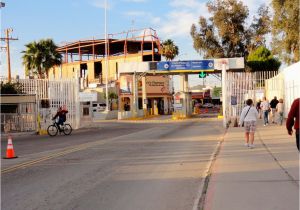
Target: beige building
x,y
85,59
158,91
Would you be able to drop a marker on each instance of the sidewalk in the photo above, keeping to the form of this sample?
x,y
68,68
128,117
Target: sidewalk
x,y
263,178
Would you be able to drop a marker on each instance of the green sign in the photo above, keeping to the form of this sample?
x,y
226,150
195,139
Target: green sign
x,y
202,74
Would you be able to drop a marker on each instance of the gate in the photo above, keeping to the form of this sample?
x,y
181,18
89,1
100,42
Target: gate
x,y
51,94
242,86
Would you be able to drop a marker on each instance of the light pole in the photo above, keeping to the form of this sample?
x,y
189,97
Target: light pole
x,y
106,55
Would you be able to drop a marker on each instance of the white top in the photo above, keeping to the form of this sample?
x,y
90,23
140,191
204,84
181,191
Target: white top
x,y
279,107
265,105
251,116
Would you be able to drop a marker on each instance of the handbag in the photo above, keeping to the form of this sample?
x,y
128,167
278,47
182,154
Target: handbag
x,y
245,116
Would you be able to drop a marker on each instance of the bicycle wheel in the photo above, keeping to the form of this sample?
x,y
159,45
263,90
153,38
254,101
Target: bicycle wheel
x,y
67,129
52,130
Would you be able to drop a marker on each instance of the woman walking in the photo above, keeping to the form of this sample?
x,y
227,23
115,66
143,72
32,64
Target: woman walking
x,y
249,117
279,109
265,107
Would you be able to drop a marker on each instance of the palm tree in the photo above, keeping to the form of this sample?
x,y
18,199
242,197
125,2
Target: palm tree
x,y
32,58
51,56
169,49
40,56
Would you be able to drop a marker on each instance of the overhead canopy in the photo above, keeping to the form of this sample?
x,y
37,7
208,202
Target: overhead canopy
x,y
17,99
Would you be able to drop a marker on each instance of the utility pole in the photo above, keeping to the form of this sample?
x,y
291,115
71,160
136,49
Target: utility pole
x,y
7,39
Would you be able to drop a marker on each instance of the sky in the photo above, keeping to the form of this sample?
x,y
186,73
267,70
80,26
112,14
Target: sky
x,y
70,20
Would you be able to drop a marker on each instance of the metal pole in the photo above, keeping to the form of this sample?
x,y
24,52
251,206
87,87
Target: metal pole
x,y
224,93
8,54
106,54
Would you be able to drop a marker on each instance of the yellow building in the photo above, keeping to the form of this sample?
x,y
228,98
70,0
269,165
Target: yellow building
x,y
85,59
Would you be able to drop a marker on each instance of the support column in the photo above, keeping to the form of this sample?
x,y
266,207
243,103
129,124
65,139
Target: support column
x,y
166,105
144,95
135,96
224,93
184,95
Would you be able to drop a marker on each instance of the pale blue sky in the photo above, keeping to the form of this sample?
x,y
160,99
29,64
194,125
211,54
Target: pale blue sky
x,y
67,20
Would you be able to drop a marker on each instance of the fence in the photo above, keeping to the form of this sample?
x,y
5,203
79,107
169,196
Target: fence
x,y
51,94
242,86
286,86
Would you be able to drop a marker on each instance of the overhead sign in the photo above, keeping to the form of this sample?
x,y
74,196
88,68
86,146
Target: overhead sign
x,y
87,97
202,74
183,66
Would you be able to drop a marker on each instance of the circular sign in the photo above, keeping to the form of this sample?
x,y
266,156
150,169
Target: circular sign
x,y
210,64
166,66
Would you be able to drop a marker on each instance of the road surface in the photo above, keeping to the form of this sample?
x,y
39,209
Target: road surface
x,y
125,166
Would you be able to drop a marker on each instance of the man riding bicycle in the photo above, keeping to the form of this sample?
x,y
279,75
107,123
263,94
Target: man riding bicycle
x,y
62,116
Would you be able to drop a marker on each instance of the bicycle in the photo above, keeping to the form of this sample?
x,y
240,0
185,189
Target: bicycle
x,y
53,129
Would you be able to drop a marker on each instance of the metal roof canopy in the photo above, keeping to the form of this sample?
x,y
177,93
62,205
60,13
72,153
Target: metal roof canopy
x,y
232,64
17,99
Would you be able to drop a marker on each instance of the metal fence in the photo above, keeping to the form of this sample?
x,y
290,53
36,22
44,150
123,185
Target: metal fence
x,y
50,95
14,122
242,86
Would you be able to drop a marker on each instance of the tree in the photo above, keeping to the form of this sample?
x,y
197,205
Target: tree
x,y
262,59
10,88
169,49
226,34
40,56
285,30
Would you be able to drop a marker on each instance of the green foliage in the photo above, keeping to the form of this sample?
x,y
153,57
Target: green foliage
x,y
226,34
169,49
285,30
40,56
262,59
217,91
10,89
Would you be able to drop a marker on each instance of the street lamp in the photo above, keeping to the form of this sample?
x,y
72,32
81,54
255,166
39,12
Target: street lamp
x,y
106,54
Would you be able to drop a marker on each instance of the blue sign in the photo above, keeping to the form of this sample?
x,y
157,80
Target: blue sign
x,y
186,65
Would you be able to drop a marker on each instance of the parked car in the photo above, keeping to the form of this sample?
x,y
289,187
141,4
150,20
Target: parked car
x,y
99,107
208,105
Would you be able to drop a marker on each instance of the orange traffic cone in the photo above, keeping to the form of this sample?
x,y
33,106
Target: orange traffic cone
x,y
10,153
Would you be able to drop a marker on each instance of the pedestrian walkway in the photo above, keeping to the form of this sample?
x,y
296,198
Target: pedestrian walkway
x,y
263,178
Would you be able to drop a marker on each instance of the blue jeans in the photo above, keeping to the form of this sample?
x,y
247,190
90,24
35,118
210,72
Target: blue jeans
x,y
280,118
266,119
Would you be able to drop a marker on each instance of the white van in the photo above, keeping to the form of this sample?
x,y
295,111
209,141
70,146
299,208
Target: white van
x,y
99,107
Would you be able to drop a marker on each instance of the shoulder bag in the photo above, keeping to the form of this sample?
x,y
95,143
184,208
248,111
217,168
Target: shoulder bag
x,y
245,116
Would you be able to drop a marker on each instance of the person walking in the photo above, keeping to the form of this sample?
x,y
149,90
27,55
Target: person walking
x,y
265,107
258,108
249,117
273,105
293,120
279,110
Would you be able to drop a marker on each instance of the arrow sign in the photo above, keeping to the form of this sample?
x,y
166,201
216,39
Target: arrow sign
x,y
202,74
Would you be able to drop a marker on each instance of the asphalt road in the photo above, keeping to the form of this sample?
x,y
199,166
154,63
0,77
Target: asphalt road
x,y
116,166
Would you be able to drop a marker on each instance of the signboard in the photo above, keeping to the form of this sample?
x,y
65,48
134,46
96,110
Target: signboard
x,y
202,74
233,100
87,97
126,84
156,84
177,106
182,66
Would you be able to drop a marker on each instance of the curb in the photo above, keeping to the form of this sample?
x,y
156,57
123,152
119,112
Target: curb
x,y
199,203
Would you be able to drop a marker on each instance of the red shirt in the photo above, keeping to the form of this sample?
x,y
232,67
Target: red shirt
x,y
294,113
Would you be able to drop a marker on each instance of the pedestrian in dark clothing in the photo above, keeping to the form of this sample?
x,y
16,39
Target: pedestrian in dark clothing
x,y
258,108
273,105
293,120
62,116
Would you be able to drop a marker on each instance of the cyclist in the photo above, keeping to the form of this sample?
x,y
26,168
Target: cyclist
x,y
62,116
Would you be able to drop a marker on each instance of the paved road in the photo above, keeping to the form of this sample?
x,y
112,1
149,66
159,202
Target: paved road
x,y
117,166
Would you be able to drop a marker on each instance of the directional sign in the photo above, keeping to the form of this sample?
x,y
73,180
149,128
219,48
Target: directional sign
x,y
202,74
186,66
